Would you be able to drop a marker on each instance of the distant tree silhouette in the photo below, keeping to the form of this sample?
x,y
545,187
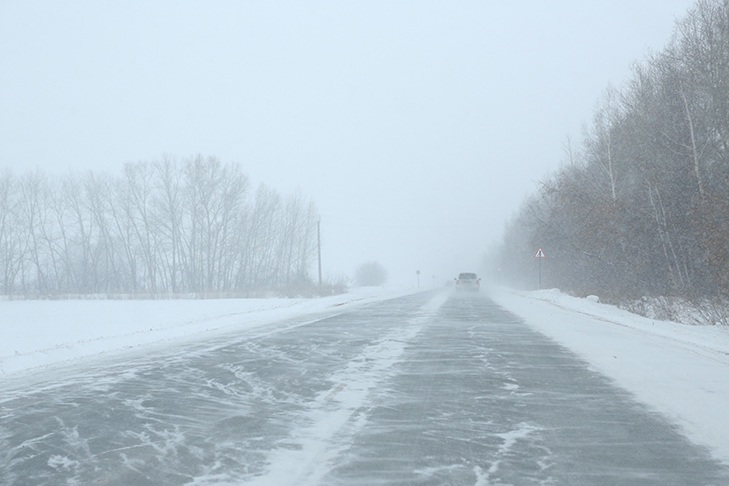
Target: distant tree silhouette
x,y
370,274
161,227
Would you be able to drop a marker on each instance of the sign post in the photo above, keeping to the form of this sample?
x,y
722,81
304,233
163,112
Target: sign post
x,y
540,255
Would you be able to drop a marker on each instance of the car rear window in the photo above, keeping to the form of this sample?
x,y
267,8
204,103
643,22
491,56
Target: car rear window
x,y
467,275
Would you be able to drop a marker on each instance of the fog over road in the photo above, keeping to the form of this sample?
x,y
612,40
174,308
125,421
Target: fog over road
x,y
431,388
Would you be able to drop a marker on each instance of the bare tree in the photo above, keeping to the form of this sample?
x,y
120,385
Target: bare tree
x,y
370,274
644,209
161,227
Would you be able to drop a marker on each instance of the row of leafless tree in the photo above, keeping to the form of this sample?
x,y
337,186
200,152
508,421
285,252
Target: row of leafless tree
x,y
161,227
642,206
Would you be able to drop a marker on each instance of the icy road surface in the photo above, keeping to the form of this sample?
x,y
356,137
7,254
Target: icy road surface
x,y
430,388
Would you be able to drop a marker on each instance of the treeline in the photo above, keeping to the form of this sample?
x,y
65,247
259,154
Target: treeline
x,y
641,207
160,227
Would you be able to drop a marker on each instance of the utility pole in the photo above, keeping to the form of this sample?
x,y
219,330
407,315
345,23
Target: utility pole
x,y
318,246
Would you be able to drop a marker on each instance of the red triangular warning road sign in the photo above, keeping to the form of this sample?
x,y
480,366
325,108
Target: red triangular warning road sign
x,y
540,253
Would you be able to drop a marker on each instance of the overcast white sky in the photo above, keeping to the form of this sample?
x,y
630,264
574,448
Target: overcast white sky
x,y
417,126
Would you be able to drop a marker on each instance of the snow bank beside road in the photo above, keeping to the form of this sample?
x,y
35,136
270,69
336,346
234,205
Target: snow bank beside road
x,y
678,370
41,332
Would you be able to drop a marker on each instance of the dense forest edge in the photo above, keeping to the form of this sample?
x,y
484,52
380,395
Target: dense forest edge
x,y
638,213
168,228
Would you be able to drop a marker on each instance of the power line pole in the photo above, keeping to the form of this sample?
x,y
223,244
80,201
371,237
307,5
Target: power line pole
x,y
318,246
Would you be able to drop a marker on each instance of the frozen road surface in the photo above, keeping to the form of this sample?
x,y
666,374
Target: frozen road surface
x,y
430,388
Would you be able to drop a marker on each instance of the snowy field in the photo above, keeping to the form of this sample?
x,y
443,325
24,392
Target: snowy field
x,y
678,370
36,333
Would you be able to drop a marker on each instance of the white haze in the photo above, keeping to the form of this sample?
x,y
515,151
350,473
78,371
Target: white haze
x,y
418,127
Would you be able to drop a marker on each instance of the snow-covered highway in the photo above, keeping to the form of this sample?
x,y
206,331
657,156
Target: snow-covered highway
x,y
426,388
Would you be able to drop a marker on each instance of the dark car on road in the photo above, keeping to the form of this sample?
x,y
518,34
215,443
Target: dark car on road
x,y
468,281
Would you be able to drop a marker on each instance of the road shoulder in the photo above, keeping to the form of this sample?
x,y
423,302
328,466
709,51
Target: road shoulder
x,y
679,371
